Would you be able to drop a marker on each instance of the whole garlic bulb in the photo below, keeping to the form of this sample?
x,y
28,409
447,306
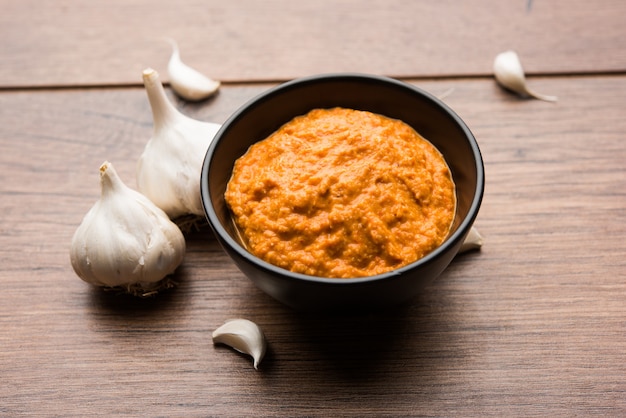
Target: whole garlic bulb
x,y
168,171
124,240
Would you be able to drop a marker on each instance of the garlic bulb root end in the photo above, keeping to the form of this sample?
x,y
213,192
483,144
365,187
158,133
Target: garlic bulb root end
x,y
143,290
190,223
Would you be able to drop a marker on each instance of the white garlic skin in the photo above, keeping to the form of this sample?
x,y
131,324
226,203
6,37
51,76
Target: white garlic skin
x,y
244,336
124,239
187,82
169,169
473,241
509,73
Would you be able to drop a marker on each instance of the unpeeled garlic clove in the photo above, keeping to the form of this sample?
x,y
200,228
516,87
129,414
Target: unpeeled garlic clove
x,y
244,336
125,241
509,73
187,82
168,170
473,241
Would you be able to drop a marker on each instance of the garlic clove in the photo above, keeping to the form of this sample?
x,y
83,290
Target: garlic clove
x,y
168,170
125,240
187,82
244,336
473,241
509,73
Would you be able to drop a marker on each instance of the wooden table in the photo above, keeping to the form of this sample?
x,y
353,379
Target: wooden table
x,y
532,325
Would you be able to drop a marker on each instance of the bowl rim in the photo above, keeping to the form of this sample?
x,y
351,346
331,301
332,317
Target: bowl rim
x,y
248,106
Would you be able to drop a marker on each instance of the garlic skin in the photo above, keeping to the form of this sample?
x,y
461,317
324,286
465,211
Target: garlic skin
x,y
473,241
187,82
168,170
244,336
509,73
124,240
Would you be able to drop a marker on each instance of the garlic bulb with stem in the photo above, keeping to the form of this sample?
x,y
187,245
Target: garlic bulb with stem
x,y
244,336
508,71
187,82
125,241
168,170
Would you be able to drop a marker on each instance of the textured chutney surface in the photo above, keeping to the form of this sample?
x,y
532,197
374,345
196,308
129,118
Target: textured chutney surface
x,y
342,193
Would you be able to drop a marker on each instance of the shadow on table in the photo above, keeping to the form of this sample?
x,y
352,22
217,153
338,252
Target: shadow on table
x,y
115,310
367,350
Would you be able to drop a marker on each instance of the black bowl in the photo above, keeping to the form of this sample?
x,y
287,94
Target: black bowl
x,y
266,113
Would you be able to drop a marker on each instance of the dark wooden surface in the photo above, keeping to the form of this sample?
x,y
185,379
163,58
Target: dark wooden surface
x,y
532,325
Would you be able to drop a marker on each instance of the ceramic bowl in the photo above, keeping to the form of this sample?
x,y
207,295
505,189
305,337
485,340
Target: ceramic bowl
x,y
264,114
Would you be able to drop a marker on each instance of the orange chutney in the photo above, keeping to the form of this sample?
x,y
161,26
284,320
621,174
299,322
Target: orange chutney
x,y
342,193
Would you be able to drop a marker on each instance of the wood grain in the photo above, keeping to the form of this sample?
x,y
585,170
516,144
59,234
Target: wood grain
x,y
533,325
72,42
